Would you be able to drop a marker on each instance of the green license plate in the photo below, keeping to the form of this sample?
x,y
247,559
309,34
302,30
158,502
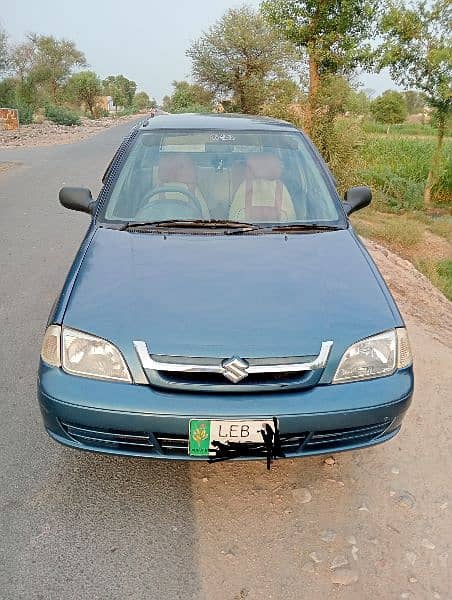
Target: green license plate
x,y
203,432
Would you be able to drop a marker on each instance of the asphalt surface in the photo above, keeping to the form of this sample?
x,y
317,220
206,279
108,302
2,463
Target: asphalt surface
x,y
376,523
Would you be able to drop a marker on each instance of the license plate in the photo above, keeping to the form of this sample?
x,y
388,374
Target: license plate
x,y
203,432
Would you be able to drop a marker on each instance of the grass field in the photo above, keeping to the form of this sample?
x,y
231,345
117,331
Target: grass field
x,y
396,167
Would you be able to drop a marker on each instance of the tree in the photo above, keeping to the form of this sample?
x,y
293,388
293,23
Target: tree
x,y
333,35
238,56
389,108
188,97
121,89
4,55
417,48
415,102
358,102
85,87
141,101
53,61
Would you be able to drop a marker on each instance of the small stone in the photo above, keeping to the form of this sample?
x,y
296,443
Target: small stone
x,y
302,495
411,557
308,567
315,557
392,493
330,460
406,595
338,562
351,540
344,576
412,579
205,479
355,553
406,499
395,470
443,558
363,508
444,505
437,595
328,535
427,544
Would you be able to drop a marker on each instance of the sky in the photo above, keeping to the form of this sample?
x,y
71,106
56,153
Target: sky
x,y
145,40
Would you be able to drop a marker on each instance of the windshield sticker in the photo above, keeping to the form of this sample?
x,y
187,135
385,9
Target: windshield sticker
x,y
221,137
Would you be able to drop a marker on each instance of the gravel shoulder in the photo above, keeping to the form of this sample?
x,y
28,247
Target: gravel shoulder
x,y
48,133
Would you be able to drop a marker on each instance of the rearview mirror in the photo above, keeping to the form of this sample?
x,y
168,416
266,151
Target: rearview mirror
x,y
76,198
357,197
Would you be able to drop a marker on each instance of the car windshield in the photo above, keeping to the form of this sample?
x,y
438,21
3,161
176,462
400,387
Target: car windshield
x,y
257,177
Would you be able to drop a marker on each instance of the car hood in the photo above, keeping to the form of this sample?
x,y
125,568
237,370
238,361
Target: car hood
x,y
217,295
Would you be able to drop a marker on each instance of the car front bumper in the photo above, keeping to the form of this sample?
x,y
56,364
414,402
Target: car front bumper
x,y
138,420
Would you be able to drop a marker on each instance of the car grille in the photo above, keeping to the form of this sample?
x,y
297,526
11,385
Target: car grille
x,y
209,383
141,442
337,438
131,441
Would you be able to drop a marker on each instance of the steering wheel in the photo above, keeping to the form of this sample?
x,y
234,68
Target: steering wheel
x,y
175,189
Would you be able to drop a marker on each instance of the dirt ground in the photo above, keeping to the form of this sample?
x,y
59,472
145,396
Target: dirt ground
x,y
48,133
414,294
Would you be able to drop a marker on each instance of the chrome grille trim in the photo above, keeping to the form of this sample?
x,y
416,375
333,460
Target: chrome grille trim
x,y
219,366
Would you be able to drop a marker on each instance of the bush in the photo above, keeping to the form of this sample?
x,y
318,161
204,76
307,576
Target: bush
x,y
389,108
61,116
99,112
25,114
399,167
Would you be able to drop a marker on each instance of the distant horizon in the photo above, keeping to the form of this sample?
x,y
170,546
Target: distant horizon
x,y
156,43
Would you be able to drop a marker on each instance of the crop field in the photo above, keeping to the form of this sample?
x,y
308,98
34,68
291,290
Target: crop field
x,y
396,167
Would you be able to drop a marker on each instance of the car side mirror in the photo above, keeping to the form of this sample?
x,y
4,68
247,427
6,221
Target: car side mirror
x,y
76,198
356,197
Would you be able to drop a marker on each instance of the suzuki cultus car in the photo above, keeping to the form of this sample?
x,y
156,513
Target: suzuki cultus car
x,y
221,305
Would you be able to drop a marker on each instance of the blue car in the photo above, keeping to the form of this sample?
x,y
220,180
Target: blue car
x,y
220,305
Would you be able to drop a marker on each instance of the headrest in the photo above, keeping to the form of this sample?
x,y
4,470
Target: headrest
x,y
264,166
173,168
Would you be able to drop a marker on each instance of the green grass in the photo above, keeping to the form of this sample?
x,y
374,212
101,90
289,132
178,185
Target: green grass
x,y
439,273
403,129
398,167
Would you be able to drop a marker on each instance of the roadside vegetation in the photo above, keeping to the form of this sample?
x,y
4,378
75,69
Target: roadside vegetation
x,y
46,77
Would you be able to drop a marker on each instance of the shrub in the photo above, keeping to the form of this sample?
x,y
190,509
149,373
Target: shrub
x,y
25,113
99,112
399,167
61,116
389,108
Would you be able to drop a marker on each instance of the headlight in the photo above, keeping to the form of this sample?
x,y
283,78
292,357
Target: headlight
x,y
83,354
375,356
90,356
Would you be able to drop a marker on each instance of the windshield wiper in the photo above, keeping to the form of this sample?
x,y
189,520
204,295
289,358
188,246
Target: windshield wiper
x,y
236,226
305,227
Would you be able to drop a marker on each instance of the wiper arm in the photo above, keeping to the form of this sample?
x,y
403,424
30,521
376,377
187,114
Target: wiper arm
x,y
192,223
305,227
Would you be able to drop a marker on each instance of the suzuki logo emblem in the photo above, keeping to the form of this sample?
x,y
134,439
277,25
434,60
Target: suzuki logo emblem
x,y
235,369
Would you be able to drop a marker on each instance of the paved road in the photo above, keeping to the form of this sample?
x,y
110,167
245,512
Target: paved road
x,y
84,527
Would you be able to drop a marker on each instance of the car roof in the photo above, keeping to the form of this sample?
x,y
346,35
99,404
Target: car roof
x,y
222,122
